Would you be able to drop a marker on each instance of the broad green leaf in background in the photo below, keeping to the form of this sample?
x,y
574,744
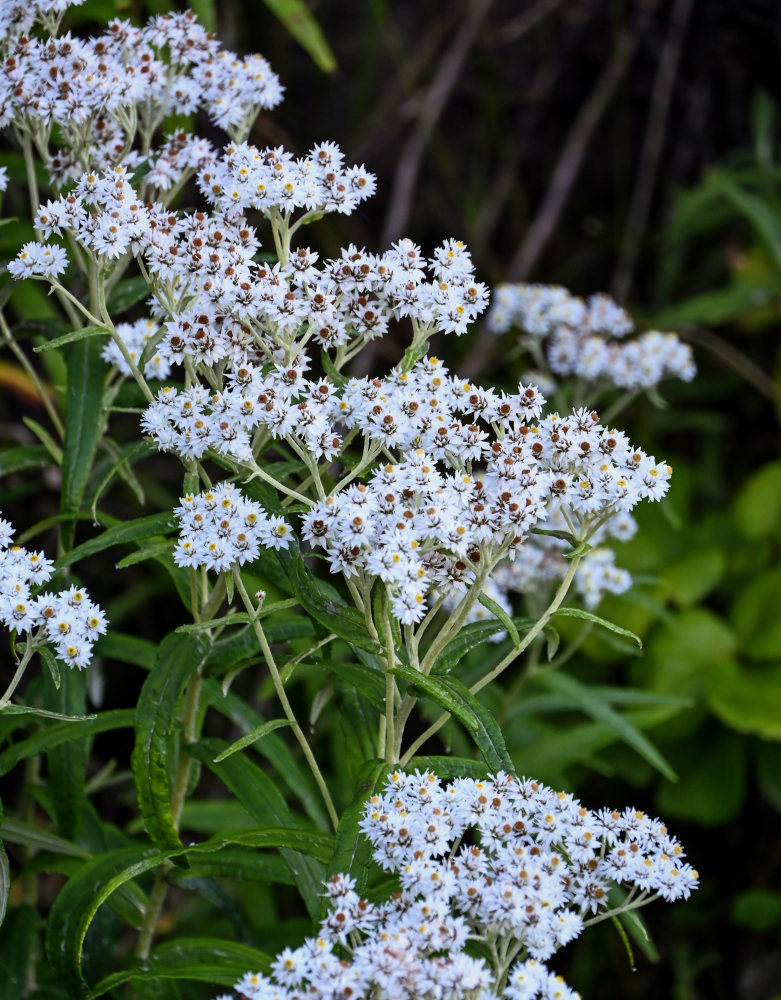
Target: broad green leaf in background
x,y
758,505
746,698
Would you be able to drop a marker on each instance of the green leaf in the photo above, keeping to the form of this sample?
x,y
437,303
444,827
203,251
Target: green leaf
x,y
179,657
366,679
470,636
120,534
337,617
74,908
127,649
257,734
352,851
53,736
273,748
264,802
5,875
449,767
67,762
83,422
74,335
43,713
338,379
498,612
244,864
51,446
206,960
27,457
16,832
239,618
757,510
712,786
126,294
560,748
302,25
596,620
456,698
598,708
746,698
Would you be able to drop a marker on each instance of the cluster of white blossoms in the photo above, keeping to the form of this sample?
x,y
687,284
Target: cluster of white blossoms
x,y
584,337
505,861
221,527
68,619
17,17
425,522
98,91
135,337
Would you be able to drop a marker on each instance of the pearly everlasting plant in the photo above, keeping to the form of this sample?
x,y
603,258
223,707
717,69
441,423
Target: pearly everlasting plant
x,y
404,537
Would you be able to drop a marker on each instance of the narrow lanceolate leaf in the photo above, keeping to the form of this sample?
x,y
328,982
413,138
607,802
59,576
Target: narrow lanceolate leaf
x,y
470,636
65,732
264,802
178,658
498,612
301,24
26,457
344,621
596,620
206,960
67,761
73,910
449,767
69,338
5,876
257,734
598,707
352,852
83,421
122,533
456,698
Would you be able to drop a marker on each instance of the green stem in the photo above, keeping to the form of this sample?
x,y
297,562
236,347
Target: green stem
x,y
20,669
24,361
514,653
283,699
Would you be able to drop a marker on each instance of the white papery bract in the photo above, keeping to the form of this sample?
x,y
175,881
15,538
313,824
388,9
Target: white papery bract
x,y
221,528
504,860
585,338
70,620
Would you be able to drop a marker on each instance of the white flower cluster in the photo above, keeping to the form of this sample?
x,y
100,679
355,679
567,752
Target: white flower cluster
x,y
504,860
38,260
17,17
68,619
96,89
220,528
135,337
423,528
578,337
